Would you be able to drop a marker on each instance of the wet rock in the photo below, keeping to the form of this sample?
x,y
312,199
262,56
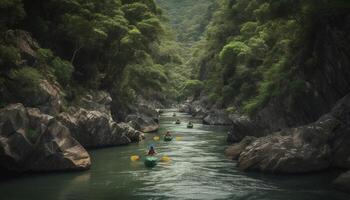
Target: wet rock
x,y
342,183
235,150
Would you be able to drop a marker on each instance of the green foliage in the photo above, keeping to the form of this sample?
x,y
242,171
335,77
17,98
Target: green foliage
x,y
63,70
247,57
9,56
189,19
192,87
11,11
232,51
25,81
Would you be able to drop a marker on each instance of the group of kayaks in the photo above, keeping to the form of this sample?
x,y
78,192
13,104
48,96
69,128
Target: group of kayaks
x,y
189,125
152,160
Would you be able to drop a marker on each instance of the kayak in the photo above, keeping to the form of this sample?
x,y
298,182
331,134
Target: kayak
x,y
190,126
168,138
151,161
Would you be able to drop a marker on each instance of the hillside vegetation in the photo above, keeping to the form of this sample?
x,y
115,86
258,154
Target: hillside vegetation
x,y
261,50
116,45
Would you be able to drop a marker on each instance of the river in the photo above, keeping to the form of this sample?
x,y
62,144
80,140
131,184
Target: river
x,y
198,170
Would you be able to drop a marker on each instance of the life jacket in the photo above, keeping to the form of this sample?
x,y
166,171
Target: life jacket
x,y
151,152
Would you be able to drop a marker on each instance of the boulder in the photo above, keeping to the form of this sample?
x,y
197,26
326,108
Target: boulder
x,y
235,150
297,150
143,123
243,126
97,101
94,129
185,108
14,145
57,150
342,183
49,98
33,141
313,147
145,119
217,117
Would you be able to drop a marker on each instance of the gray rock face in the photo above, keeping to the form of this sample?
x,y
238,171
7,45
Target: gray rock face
x,y
56,150
235,150
97,101
217,117
32,141
94,129
242,126
49,98
143,123
145,120
14,145
313,147
342,183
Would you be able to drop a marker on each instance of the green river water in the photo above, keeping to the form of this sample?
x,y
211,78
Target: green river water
x,y
198,170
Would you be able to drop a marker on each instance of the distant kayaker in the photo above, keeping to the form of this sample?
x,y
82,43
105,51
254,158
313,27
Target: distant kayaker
x,y
151,151
168,134
177,121
190,125
174,115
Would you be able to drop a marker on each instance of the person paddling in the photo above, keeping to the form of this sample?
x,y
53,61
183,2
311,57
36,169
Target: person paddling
x,y
151,151
168,134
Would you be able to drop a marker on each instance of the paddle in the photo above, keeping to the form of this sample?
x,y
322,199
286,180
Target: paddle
x,y
135,158
165,159
156,138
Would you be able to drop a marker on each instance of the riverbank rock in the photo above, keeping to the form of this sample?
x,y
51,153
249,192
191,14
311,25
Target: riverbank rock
x,y
342,183
217,117
185,108
145,119
94,129
57,150
235,150
14,145
243,126
314,147
33,141
143,123
97,101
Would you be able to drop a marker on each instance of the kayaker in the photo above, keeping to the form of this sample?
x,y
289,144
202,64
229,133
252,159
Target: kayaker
x,y
177,121
151,151
174,115
190,123
168,134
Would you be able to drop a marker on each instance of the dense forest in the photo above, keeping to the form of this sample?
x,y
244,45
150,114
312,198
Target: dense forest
x,y
119,46
265,52
76,75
